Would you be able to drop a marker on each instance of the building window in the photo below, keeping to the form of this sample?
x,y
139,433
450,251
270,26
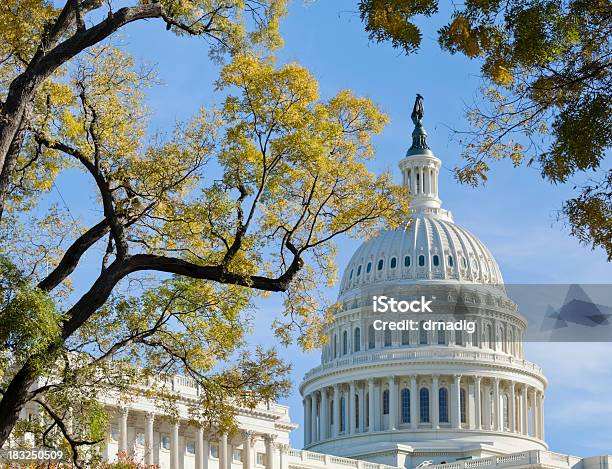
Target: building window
x,y
476,336
405,337
344,342
342,414
393,262
261,459
214,451
380,264
369,268
407,261
405,405
371,337
190,447
443,404
356,411
351,275
358,271
436,261
450,261
458,337
331,412
140,439
165,442
387,338
386,402
422,334
462,405
367,409
114,434
335,346
441,337
237,455
421,260
424,405
464,262
490,335
357,340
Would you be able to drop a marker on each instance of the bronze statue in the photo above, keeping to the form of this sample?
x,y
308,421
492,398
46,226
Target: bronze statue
x,y
418,111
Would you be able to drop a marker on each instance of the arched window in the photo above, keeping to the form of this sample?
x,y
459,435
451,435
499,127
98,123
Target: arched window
x,y
342,414
358,271
458,337
335,346
386,402
443,404
422,334
357,340
344,342
371,337
393,262
356,411
407,261
421,260
405,337
436,260
450,261
380,264
387,338
424,405
463,405
369,268
405,396
441,337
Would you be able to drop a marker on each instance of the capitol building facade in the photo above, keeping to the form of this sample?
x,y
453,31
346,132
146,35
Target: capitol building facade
x,y
383,399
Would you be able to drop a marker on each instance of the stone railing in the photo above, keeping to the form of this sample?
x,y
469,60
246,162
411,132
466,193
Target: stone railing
x,y
303,458
525,458
423,354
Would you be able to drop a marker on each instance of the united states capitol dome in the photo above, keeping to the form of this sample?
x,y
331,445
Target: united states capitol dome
x,y
431,248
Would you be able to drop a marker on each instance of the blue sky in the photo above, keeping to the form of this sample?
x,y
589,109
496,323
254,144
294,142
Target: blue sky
x,y
514,214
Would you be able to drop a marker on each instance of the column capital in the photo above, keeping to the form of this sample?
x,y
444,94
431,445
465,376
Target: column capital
x,y
247,434
478,379
269,438
149,416
124,411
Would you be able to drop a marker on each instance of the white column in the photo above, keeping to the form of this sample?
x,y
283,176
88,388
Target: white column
x,y
499,419
351,406
512,408
223,451
477,410
123,429
362,407
456,409
324,416
534,413
313,418
486,407
371,405
247,459
307,411
435,422
269,439
377,402
414,412
525,410
199,448
336,410
174,447
392,403
148,456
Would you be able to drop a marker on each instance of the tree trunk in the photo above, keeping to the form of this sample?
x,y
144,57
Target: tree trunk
x,y
15,397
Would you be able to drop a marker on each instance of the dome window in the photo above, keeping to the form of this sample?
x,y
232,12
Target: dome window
x,y
464,262
421,260
407,261
380,264
393,262
450,261
436,260
369,268
358,271
351,275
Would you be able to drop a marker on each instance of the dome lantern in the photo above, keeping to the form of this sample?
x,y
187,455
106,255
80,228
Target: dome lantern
x,y
420,167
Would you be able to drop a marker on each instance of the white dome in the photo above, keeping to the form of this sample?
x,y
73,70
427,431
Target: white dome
x,y
431,248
